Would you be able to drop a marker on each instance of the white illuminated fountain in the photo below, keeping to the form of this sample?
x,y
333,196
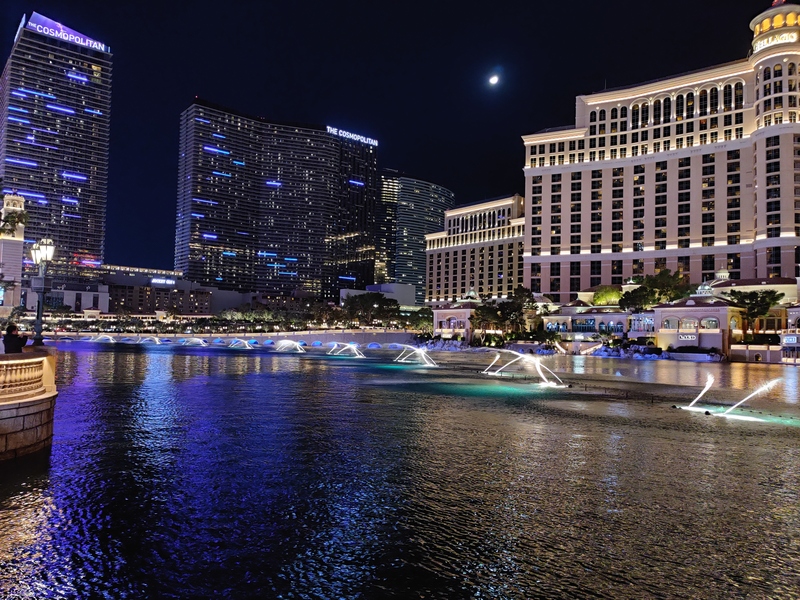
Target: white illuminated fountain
x,y
342,349
727,414
412,355
103,339
540,368
239,344
195,341
149,340
691,406
289,346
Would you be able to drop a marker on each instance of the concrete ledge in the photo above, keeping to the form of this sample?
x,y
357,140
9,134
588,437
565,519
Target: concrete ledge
x,y
26,426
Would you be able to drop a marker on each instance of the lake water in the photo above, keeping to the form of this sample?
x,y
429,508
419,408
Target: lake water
x,y
206,473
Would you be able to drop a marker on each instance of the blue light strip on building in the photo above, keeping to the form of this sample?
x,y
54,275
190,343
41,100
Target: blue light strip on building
x,y
63,109
18,120
209,236
23,193
198,215
242,233
291,259
215,150
274,183
262,253
354,182
42,94
277,265
75,176
72,216
78,76
44,131
92,111
69,200
204,201
287,272
35,144
19,94
238,162
229,253
24,163
17,109
91,262
220,174
202,120
218,135
347,278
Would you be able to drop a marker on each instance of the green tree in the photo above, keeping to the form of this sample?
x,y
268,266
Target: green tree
x,y
756,304
485,316
606,295
638,299
9,223
653,289
421,320
370,307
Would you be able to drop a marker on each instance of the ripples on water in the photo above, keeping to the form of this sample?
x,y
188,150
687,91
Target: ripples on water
x,y
198,474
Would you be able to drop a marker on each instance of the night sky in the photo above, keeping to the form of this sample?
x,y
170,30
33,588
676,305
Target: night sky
x,y
413,75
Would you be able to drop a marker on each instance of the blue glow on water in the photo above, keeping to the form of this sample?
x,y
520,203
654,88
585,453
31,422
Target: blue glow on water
x,y
62,109
18,120
92,111
215,150
204,201
221,174
354,182
17,109
75,176
77,76
24,163
41,94
274,183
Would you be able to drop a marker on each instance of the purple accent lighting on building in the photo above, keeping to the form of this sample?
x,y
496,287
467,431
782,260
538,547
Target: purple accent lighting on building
x,y
63,109
75,176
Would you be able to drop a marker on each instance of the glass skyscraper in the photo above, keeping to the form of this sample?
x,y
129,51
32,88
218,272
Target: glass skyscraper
x,y
273,208
409,209
55,101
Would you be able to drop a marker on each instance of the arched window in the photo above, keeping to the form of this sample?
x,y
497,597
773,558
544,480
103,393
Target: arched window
x,y
777,71
690,105
714,100
734,323
738,96
645,113
679,108
689,323
592,117
767,74
727,97
657,112
791,69
623,112
603,114
635,116
709,323
667,110
670,323
613,113
703,103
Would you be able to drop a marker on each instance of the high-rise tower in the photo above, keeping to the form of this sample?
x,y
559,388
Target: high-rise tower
x,y
274,208
55,102
409,210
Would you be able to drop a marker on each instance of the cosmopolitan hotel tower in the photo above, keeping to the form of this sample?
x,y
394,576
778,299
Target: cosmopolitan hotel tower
x,y
274,208
691,173
55,101
409,210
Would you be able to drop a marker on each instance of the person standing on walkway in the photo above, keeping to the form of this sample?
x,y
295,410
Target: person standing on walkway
x,y
13,341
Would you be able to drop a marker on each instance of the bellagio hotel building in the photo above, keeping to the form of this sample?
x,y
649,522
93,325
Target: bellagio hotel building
x,y
691,173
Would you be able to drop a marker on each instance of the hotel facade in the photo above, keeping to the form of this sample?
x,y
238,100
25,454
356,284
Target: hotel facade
x,y
480,251
691,173
55,103
274,208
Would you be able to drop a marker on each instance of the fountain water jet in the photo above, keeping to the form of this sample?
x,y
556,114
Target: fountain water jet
x,y
340,348
709,382
289,346
767,386
540,368
411,354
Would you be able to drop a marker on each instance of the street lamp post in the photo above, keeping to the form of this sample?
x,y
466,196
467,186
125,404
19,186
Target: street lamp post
x,y
41,253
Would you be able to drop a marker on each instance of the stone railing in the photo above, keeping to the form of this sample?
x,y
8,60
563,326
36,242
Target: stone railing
x,y
27,401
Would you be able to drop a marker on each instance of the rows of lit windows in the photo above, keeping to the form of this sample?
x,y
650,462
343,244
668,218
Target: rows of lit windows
x,y
776,90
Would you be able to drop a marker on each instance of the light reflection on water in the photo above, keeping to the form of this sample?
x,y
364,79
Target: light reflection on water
x,y
201,473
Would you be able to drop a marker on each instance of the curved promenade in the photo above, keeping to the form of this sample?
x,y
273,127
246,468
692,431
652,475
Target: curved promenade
x,y
27,401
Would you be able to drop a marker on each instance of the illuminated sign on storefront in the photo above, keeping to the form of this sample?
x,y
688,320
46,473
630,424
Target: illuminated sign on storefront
x,y
783,38
790,339
687,337
161,281
51,28
352,136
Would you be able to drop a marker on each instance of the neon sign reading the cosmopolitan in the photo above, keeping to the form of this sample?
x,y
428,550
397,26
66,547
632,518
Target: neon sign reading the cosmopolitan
x,y
783,38
352,136
54,29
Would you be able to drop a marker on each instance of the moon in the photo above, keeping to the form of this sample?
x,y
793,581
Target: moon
x,y
494,79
